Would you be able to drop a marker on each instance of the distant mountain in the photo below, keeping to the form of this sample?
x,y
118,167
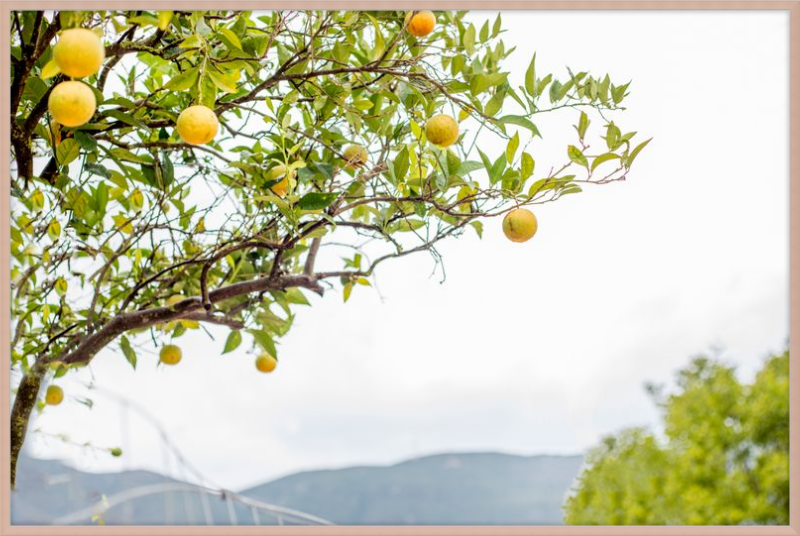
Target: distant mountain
x,y
49,489
445,489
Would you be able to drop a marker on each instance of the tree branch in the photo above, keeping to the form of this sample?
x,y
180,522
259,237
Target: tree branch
x,y
98,340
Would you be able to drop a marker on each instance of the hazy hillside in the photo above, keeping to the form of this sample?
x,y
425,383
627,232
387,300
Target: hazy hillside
x,y
48,489
450,489
447,489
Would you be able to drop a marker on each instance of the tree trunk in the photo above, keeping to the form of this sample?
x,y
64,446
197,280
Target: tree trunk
x,y
27,392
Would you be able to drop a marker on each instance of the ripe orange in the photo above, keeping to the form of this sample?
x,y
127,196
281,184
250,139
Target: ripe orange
x,y
171,354
54,395
520,225
441,130
420,24
197,124
79,52
266,363
72,103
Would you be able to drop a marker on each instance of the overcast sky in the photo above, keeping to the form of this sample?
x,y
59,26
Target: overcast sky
x,y
529,348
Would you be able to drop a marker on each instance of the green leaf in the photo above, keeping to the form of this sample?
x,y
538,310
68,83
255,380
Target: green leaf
x,y
125,154
496,26
612,136
478,226
495,103
380,46
511,147
296,296
528,165
37,200
482,82
208,95
348,288
496,173
583,124
86,142
232,37
554,91
484,34
222,82
233,341
67,151
167,169
401,164
54,230
543,84
184,80
35,88
125,118
128,351
164,18
469,166
61,286
469,39
536,187
520,121
572,189
405,226
563,90
317,200
636,152
50,70
530,77
602,89
487,164
618,93
576,155
603,158
264,340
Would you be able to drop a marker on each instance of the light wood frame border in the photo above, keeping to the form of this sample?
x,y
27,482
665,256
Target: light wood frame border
x,y
792,6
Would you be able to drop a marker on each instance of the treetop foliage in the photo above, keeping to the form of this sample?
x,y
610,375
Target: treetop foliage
x,y
723,460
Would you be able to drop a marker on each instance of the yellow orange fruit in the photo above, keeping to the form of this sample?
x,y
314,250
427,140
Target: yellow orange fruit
x,y
441,130
79,52
266,363
356,156
72,103
520,225
197,124
281,188
420,24
171,354
54,395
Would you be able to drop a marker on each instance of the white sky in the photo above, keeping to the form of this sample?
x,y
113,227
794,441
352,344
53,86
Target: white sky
x,y
535,348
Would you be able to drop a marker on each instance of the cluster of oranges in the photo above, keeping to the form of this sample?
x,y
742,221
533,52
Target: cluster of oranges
x,y
78,53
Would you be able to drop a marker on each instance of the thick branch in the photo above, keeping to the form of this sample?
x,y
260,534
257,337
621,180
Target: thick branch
x,y
95,342
214,319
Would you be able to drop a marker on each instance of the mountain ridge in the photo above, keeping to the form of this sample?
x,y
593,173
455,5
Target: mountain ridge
x,y
445,488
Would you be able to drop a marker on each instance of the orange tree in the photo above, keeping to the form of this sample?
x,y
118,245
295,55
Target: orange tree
x,y
179,168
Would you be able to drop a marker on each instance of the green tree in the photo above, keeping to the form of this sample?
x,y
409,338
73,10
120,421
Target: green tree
x,y
724,460
123,232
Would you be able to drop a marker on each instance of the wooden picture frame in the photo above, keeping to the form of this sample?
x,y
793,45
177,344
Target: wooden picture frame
x,y
790,6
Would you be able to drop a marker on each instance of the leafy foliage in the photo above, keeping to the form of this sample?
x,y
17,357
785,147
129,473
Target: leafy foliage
x,y
114,218
725,459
